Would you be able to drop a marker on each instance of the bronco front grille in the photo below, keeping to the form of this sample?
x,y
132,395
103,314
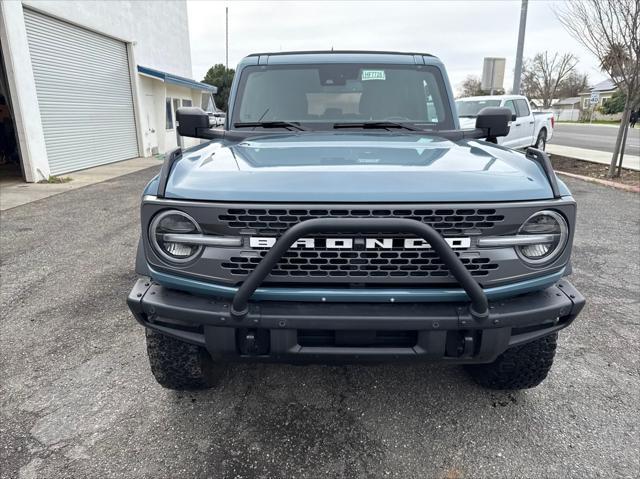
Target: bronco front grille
x,y
358,264
448,222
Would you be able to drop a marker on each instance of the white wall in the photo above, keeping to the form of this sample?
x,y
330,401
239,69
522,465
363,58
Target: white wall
x,y
153,93
566,114
159,30
181,93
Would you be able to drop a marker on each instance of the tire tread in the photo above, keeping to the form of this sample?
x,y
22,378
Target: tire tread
x,y
179,365
520,367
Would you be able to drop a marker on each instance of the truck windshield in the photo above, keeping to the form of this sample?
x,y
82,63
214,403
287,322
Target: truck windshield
x,y
470,109
324,96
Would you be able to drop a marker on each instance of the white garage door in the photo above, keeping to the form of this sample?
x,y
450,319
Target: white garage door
x,y
84,93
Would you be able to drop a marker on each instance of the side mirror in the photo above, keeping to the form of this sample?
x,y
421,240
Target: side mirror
x,y
494,121
193,122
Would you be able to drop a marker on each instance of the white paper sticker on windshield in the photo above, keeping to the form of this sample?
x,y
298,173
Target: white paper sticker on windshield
x,y
373,75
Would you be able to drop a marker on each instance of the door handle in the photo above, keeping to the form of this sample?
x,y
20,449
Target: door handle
x,y
517,124
531,122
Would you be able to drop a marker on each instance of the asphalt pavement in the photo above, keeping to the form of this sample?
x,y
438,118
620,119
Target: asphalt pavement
x,y
78,400
594,137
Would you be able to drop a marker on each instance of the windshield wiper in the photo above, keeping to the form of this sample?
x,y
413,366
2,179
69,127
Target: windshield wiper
x,y
377,125
270,124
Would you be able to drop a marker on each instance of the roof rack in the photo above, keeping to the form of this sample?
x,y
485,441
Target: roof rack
x,y
307,52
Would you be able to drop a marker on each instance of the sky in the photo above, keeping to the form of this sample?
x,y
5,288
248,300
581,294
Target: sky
x,y
460,32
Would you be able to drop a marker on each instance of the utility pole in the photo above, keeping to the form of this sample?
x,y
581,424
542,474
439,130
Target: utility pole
x,y
517,74
225,78
226,34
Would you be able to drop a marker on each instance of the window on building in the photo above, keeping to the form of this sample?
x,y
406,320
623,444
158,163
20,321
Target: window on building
x,y
176,105
168,114
186,103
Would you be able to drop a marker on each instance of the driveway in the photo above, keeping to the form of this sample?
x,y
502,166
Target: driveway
x,y
594,137
78,399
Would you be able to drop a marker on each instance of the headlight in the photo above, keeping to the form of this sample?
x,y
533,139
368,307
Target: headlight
x,y
174,222
553,231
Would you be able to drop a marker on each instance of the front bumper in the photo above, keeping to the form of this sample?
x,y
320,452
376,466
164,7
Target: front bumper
x,y
322,332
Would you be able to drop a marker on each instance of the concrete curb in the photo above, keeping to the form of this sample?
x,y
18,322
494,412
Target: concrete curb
x,y
613,184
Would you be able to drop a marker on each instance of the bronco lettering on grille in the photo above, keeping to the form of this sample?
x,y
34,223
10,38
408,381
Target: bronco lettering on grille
x,y
358,243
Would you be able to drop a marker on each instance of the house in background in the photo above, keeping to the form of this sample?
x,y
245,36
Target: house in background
x,y
605,89
538,103
567,109
90,83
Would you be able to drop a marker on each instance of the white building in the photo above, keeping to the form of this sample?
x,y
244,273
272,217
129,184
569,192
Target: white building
x,y
90,83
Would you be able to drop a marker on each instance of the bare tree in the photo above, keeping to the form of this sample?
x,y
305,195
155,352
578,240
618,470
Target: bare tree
x,y
544,74
610,29
573,85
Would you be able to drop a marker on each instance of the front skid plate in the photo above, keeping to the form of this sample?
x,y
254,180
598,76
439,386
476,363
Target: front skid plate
x,y
177,314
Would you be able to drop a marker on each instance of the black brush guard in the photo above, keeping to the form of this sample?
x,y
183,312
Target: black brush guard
x,y
478,308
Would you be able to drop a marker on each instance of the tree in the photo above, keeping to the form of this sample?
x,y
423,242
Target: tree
x,y
610,30
614,105
573,85
220,77
472,86
543,75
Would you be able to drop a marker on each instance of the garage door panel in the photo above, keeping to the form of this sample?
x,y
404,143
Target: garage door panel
x,y
84,94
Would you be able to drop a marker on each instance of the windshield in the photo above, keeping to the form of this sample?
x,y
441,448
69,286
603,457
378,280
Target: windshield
x,y
321,96
470,109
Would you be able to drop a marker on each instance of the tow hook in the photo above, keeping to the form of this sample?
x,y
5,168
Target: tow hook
x,y
467,346
253,342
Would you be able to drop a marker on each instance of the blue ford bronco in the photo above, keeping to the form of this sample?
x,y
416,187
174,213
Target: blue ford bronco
x,y
341,214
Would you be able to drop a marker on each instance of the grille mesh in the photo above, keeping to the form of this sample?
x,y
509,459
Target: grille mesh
x,y
447,221
358,264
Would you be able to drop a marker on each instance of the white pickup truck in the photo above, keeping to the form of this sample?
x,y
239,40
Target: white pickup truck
x,y
527,128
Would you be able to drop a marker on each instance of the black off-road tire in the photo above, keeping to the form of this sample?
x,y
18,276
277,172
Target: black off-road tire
x,y
520,367
179,365
541,141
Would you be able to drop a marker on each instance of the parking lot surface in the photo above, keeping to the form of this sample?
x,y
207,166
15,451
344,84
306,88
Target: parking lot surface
x,y
78,400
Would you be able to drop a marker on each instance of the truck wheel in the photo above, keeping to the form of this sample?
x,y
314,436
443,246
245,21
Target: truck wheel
x,y
541,141
179,365
520,367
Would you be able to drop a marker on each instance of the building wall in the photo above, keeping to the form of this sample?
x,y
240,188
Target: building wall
x,y
159,30
154,93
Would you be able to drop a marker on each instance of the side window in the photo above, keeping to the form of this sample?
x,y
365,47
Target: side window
x,y
176,105
523,108
511,106
432,109
168,115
